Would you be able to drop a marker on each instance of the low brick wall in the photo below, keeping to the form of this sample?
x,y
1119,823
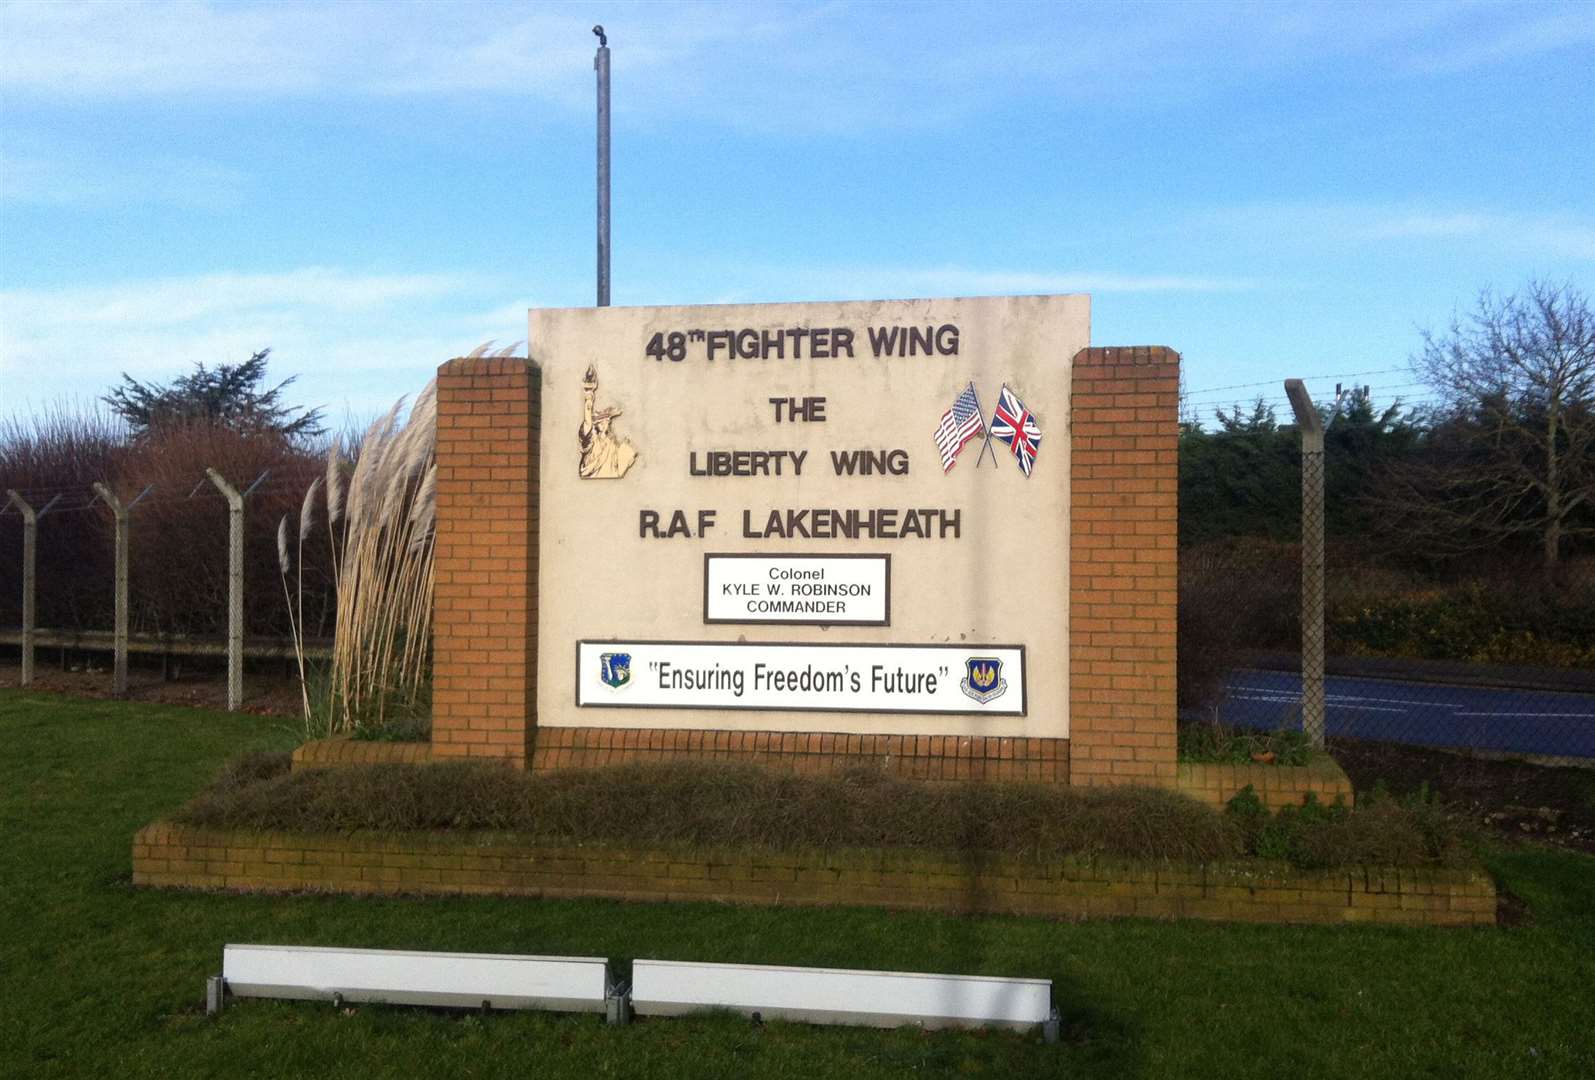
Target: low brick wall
x,y
342,750
462,863
1276,785
917,757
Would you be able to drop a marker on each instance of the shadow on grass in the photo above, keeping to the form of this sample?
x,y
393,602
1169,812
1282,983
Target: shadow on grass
x,y
1094,1040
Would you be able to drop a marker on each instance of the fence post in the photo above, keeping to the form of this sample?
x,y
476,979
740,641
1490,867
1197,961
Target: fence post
x,y
235,584
30,547
119,677
1311,426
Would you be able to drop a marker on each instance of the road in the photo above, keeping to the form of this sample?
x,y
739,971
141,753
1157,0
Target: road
x,y
1423,714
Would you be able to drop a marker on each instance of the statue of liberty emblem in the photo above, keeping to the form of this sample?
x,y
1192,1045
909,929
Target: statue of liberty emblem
x,y
604,456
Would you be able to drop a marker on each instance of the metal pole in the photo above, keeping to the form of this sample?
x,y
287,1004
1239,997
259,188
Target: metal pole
x,y
601,65
1312,560
119,678
30,550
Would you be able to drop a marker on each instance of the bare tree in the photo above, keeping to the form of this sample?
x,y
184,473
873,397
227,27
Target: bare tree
x,y
1511,453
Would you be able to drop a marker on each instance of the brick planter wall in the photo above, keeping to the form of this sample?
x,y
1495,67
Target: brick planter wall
x,y
342,750
918,757
453,864
1276,785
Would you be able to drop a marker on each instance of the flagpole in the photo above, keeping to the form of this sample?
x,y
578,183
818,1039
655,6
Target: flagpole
x,y
981,412
601,65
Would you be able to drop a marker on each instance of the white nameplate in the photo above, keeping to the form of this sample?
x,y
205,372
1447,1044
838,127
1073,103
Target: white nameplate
x,y
967,679
821,590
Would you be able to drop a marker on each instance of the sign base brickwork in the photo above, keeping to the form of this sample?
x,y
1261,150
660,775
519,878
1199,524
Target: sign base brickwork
x,y
918,757
1124,569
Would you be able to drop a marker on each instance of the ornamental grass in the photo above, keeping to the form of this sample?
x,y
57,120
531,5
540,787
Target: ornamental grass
x,y
378,514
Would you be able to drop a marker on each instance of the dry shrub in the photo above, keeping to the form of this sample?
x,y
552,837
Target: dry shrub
x,y
60,450
179,543
252,768
727,805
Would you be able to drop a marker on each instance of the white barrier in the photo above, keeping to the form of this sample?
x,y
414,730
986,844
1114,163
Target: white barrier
x,y
831,996
659,987
468,980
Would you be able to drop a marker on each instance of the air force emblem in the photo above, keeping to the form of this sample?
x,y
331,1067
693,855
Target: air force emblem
x,y
614,668
983,680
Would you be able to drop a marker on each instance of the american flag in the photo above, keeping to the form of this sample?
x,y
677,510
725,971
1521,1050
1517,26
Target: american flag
x,y
958,425
1013,424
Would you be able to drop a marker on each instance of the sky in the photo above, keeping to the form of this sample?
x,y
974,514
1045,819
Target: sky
x,y
1275,190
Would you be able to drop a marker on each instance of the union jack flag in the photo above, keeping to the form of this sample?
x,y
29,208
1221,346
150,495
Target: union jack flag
x,y
958,425
1013,424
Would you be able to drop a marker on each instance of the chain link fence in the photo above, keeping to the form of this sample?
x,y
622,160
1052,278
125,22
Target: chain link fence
x,y
1492,659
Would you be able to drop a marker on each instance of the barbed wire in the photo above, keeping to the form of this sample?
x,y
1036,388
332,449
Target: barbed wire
x,y
1315,378
271,482
1375,393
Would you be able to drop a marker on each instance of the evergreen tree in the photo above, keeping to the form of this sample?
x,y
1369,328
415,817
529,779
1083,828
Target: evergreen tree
x,y
229,395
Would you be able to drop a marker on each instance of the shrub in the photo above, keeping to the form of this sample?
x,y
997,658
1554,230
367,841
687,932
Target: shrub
x,y
415,726
726,805
178,545
252,768
723,805
1215,742
1380,832
1508,616
60,451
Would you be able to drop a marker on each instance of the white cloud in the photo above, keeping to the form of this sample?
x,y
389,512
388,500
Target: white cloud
x,y
349,336
176,301
1554,31
794,67
122,48
759,283
191,183
1340,224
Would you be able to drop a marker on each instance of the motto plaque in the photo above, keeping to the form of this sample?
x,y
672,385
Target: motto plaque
x,y
848,517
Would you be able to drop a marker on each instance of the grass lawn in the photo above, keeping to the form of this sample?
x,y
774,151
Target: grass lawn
x,y
99,979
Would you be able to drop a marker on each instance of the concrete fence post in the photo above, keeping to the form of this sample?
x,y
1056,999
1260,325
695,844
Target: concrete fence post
x,y
235,581
30,552
1311,426
121,512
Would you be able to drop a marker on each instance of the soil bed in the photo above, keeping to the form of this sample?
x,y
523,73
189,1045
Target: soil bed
x,y
266,693
1514,798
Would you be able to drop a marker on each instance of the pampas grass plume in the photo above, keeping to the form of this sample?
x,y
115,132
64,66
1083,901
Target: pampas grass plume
x,y
334,482
307,509
282,543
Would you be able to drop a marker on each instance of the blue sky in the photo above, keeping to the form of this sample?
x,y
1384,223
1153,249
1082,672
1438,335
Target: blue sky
x,y
370,188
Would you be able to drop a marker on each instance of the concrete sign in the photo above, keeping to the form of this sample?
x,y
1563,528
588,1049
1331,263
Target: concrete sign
x,y
750,514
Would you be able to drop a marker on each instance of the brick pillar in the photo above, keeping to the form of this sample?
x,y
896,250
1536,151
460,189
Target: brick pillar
x,y
1123,581
484,674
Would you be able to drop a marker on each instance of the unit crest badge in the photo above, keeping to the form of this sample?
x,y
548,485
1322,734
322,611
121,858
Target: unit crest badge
x,y
983,679
614,668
